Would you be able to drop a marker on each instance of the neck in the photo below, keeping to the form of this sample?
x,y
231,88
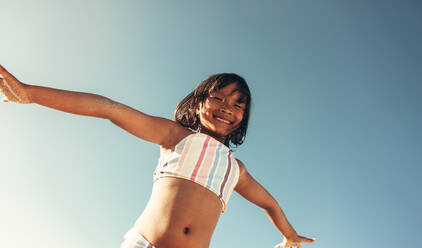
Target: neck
x,y
220,138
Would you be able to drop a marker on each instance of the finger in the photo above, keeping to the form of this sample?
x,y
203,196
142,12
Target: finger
x,y
306,240
2,86
10,91
6,75
9,96
279,246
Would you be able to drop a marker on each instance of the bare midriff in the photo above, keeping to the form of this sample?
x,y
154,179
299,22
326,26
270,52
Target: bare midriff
x,y
179,214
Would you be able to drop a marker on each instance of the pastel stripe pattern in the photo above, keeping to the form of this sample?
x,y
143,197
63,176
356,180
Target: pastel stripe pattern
x,y
203,160
200,160
214,166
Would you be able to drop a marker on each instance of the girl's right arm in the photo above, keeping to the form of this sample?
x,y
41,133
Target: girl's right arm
x,y
157,130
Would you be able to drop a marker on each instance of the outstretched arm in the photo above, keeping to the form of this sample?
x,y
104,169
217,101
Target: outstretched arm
x,y
150,128
252,191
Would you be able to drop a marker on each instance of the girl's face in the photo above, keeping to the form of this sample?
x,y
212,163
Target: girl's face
x,y
222,112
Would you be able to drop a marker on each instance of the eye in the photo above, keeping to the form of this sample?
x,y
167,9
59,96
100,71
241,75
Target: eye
x,y
239,107
217,98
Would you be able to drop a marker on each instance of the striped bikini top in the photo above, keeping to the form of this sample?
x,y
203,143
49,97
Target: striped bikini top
x,y
203,160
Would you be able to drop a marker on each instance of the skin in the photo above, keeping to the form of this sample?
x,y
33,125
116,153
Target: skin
x,y
167,222
220,107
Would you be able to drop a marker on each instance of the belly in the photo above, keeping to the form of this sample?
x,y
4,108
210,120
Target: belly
x,y
180,213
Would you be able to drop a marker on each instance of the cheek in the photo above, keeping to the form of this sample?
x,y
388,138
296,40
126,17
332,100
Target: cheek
x,y
207,115
207,105
207,108
204,114
240,116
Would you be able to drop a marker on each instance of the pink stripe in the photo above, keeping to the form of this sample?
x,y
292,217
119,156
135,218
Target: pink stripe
x,y
198,164
226,176
207,165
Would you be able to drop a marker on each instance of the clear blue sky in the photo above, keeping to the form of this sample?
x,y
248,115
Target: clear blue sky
x,y
335,132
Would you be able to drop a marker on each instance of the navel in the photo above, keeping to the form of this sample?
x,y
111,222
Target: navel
x,y
186,230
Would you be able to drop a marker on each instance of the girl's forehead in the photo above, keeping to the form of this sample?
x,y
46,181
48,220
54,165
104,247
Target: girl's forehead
x,y
230,89
237,94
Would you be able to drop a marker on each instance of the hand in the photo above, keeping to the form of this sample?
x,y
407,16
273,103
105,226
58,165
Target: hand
x,y
12,88
295,242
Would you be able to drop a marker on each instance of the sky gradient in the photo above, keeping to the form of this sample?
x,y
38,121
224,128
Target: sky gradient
x,y
335,130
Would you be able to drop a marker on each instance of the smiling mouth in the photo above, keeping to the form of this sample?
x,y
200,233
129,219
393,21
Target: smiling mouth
x,y
223,120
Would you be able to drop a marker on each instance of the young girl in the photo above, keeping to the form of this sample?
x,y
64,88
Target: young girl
x,y
196,172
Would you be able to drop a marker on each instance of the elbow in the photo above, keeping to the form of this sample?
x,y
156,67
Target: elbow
x,y
270,206
268,209
108,111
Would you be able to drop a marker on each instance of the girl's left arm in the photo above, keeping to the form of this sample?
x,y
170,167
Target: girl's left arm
x,y
254,192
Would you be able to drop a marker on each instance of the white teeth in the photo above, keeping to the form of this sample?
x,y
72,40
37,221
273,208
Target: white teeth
x,y
225,121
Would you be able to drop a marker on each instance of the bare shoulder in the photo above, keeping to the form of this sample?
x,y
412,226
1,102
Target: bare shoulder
x,y
243,176
242,167
177,132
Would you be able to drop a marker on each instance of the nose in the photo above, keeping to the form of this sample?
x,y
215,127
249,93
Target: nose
x,y
224,108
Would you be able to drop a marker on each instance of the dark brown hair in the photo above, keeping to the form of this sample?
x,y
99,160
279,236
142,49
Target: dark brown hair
x,y
185,112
